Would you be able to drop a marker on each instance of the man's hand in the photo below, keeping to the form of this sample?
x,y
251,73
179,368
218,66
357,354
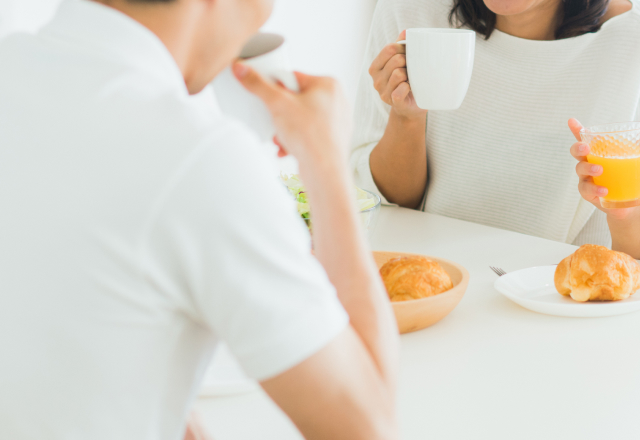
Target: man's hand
x,y
313,125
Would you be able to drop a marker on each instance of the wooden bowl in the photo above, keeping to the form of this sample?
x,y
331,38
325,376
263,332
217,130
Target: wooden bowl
x,y
417,314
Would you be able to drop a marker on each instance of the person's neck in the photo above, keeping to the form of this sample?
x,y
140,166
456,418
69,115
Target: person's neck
x,y
171,23
539,23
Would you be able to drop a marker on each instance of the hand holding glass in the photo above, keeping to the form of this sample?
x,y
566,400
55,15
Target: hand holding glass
x,y
616,147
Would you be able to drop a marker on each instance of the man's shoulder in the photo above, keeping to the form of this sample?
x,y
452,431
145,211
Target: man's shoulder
x,y
232,143
16,40
174,117
201,138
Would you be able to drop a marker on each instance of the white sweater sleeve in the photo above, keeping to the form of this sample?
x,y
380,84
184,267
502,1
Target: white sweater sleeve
x,y
390,18
595,231
372,113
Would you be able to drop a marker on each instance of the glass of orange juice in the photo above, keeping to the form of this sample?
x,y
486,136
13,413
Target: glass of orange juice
x,y
617,148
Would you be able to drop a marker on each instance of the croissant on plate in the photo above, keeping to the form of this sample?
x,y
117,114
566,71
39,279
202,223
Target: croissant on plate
x,y
408,278
595,273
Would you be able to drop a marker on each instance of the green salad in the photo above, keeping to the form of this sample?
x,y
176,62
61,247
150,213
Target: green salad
x,y
364,200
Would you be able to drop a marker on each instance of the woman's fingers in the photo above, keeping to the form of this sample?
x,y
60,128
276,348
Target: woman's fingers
x,y
579,151
399,95
389,74
586,172
381,79
586,169
398,77
398,61
590,191
388,52
575,128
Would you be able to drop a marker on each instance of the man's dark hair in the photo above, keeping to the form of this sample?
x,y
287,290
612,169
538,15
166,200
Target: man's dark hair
x,y
578,17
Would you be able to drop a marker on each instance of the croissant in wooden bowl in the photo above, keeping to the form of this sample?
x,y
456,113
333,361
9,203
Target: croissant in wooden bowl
x,y
595,273
420,313
414,277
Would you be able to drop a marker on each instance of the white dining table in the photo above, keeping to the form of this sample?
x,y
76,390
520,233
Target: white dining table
x,y
491,369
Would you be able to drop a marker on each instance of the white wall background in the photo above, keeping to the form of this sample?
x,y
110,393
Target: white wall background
x,y
324,37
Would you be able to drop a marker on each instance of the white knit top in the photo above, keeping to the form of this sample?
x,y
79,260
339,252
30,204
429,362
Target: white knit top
x,y
502,159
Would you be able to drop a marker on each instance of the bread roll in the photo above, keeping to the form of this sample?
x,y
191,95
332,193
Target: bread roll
x,y
595,273
408,278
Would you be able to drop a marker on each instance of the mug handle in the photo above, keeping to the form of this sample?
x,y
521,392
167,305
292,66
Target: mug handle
x,y
402,42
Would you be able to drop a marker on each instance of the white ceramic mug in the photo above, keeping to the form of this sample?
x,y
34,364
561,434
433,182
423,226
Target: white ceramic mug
x,y
439,66
265,54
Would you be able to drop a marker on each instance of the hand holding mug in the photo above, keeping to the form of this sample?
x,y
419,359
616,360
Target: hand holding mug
x,y
265,53
314,125
437,64
389,73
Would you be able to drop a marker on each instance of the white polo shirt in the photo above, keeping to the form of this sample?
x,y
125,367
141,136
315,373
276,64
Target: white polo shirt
x,y
137,229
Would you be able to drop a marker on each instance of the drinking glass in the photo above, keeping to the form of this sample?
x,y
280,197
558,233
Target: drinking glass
x,y
617,148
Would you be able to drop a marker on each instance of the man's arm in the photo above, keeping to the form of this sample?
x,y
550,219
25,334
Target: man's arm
x,y
337,394
347,389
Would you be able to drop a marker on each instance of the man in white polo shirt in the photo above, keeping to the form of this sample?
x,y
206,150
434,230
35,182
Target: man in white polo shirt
x,y
139,228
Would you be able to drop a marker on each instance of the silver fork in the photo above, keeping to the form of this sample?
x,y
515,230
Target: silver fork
x,y
498,271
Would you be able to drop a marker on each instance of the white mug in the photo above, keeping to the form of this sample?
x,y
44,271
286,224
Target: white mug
x,y
266,55
439,66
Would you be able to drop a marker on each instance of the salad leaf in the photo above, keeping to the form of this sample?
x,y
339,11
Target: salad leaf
x,y
364,200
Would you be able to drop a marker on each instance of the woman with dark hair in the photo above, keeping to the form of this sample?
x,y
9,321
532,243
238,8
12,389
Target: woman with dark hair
x,y
502,158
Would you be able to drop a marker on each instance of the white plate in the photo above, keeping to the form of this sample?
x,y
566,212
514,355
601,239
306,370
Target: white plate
x,y
534,289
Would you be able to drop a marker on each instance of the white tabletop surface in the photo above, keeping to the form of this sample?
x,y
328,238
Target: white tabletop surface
x,y
491,369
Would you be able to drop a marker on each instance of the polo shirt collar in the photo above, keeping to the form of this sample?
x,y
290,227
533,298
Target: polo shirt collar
x,y
112,34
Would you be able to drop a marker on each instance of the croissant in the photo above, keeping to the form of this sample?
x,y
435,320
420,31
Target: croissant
x,y
595,273
408,278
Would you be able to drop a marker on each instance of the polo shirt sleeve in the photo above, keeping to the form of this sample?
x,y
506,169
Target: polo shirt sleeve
x,y
228,247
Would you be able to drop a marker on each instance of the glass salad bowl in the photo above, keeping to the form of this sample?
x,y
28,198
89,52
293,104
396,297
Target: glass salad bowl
x,y
367,202
369,215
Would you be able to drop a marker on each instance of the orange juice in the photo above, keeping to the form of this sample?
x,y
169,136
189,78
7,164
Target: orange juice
x,y
621,176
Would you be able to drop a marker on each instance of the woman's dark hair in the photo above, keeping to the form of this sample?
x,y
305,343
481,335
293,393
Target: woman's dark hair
x,y
578,17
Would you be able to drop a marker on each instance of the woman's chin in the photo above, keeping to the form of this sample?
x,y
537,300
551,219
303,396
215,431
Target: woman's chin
x,y
509,7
